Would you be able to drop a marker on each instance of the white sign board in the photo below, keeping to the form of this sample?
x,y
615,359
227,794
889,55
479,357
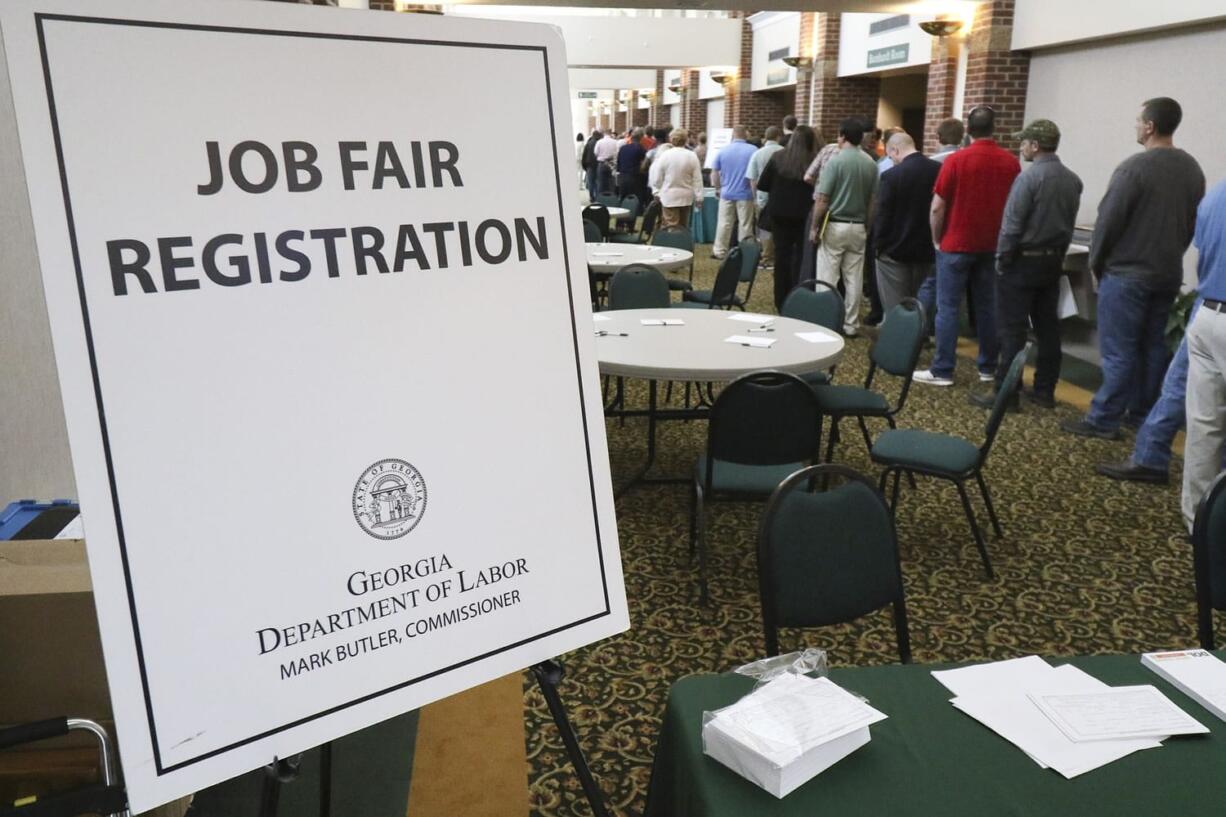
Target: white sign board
x,y
717,140
327,363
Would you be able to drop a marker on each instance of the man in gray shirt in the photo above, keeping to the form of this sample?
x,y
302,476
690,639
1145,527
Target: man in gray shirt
x,y
1145,222
1034,236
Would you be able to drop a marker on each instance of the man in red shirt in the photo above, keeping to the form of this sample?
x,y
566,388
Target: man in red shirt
x,y
967,207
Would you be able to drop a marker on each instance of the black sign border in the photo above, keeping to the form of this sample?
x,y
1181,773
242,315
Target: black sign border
x,y
39,19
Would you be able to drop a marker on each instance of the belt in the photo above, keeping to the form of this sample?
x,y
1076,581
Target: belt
x,y
1041,253
1216,306
834,220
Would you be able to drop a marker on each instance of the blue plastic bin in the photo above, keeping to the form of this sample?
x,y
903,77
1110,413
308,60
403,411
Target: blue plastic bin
x,y
24,511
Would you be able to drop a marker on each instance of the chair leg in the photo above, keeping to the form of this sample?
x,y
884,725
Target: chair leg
x,y
694,502
987,500
979,543
901,630
834,438
620,399
1204,625
894,493
868,438
910,476
703,597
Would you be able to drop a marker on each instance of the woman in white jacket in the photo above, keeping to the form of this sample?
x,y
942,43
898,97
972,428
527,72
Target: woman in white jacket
x,y
676,176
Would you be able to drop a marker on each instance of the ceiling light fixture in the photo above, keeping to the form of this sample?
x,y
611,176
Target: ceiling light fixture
x,y
799,63
722,77
941,28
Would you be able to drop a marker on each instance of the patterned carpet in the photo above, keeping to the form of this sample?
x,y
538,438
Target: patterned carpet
x,y
1087,565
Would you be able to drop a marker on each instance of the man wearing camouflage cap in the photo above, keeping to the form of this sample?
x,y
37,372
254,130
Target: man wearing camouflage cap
x,y
1034,235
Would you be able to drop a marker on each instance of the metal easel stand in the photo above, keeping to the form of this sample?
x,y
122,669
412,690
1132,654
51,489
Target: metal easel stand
x,y
549,677
280,772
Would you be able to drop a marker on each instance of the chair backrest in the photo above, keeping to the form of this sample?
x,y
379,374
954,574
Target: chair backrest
x,y
591,231
651,217
638,286
816,302
726,279
631,203
828,557
598,214
900,340
678,238
1209,558
751,252
763,418
608,200
1007,387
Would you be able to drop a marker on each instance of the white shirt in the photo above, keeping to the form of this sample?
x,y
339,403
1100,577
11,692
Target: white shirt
x,y
606,149
678,178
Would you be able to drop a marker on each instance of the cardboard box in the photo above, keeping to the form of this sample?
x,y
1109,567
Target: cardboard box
x,y
51,666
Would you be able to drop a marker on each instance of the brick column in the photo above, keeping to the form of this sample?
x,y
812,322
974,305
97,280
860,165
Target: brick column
x,y
736,92
836,98
619,118
942,82
659,112
804,76
693,109
995,75
638,116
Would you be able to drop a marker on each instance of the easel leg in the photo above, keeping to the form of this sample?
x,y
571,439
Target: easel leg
x,y
549,677
325,780
276,773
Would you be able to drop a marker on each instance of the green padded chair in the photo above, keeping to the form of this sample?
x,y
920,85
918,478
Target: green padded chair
x,y
762,427
591,232
815,301
723,293
895,352
638,286
650,217
631,203
828,557
676,238
750,251
1209,558
598,214
607,200
948,457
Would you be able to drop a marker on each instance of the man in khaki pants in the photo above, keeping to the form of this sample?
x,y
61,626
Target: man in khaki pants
x,y
840,215
1206,441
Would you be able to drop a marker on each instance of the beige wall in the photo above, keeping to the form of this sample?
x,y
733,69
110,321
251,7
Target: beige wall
x,y
899,93
1093,92
34,459
1040,23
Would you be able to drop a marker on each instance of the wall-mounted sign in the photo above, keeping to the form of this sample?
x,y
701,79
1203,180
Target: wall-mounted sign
x,y
278,311
893,23
777,71
891,55
588,94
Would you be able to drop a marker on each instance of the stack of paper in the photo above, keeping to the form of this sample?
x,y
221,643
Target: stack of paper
x,y
1061,717
787,731
752,317
746,340
1198,674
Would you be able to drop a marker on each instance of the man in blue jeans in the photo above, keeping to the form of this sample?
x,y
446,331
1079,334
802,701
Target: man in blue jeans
x,y
1151,454
968,204
1145,223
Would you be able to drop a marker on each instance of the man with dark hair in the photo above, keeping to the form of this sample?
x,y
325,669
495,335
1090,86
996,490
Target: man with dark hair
x,y
1145,222
589,164
630,179
757,163
840,218
949,134
1034,236
789,127
967,206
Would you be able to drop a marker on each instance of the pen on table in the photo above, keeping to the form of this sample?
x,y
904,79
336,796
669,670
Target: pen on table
x,y
601,333
761,329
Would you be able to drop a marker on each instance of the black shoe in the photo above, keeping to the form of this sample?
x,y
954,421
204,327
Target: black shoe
x,y
1129,472
1083,429
987,400
1041,399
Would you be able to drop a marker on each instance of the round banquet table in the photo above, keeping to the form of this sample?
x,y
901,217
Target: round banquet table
x,y
698,352
609,258
618,213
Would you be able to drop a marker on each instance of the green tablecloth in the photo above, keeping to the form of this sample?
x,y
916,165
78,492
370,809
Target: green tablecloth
x,y
704,218
930,760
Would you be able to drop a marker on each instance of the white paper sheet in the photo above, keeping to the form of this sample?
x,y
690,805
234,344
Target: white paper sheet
x,y
1115,713
751,317
599,318
746,340
73,530
995,699
816,337
1016,673
662,322
606,254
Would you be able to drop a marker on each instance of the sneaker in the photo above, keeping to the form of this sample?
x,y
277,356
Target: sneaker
x,y
926,376
1083,429
1127,471
987,377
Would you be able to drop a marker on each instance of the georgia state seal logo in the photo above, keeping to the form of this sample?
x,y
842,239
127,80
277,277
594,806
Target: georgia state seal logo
x,y
389,499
